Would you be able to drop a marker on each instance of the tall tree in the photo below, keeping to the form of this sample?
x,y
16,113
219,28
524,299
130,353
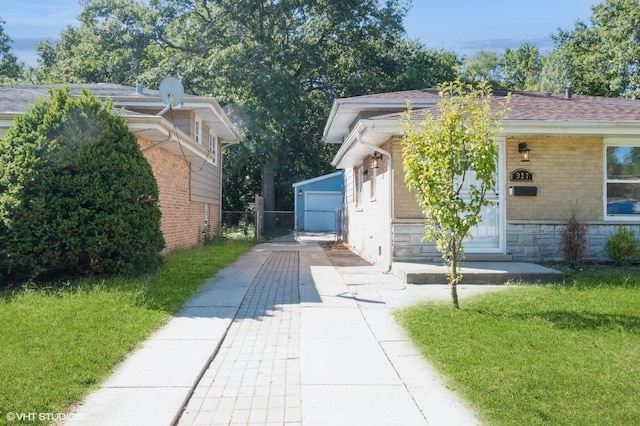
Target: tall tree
x,y
452,152
277,65
606,52
556,74
110,45
10,68
521,67
484,65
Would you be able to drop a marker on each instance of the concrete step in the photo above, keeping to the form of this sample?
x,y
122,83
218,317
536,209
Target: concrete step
x,y
476,273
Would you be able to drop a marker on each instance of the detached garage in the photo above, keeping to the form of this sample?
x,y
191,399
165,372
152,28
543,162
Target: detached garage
x,y
318,203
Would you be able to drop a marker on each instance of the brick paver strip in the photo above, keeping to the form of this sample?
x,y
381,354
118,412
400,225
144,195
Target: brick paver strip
x,y
255,376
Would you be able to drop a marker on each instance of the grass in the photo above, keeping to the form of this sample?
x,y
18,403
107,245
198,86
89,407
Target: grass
x,y
564,354
60,343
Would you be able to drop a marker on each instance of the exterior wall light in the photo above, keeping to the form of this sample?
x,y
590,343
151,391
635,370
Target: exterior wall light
x,y
300,193
524,150
375,160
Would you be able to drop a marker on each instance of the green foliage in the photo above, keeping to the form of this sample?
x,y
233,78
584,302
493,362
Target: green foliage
x,y
61,343
622,246
541,355
605,53
76,194
10,69
574,240
521,67
444,156
484,65
557,72
276,65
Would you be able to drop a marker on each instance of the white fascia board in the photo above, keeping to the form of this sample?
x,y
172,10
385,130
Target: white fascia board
x,y
359,104
225,128
165,133
317,179
348,143
595,128
213,114
372,131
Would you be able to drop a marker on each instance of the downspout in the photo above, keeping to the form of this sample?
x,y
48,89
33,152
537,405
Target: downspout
x,y
390,170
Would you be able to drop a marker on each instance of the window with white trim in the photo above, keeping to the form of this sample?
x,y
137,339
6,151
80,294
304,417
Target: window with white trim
x,y
213,148
622,186
197,134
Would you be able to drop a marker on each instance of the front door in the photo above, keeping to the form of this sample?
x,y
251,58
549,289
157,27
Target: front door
x,y
487,236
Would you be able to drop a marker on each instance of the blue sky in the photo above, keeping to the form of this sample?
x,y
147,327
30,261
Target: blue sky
x,y
463,26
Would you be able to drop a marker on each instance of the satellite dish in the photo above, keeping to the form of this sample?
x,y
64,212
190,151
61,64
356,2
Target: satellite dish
x,y
171,91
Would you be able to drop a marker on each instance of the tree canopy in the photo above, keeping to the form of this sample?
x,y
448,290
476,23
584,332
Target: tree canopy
x,y
605,53
10,68
450,162
76,194
275,65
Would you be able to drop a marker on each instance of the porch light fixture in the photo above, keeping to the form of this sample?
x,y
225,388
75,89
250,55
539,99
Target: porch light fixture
x,y
375,160
300,193
524,150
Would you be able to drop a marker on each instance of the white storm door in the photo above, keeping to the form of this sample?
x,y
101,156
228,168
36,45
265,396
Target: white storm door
x,y
487,236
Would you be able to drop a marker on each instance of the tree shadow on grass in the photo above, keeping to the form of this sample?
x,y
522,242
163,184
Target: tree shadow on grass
x,y
573,320
590,321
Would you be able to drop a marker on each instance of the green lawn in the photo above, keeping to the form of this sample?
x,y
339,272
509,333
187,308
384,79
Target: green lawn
x,y
58,344
566,354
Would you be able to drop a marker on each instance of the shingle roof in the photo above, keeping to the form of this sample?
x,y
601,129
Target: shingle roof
x,y
17,99
539,106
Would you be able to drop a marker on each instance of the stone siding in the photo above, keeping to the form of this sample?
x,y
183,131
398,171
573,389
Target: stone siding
x,y
527,241
542,242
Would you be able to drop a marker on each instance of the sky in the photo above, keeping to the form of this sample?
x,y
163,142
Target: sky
x,y
462,26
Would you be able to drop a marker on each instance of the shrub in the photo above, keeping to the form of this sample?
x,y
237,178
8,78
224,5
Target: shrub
x,y
574,240
622,246
76,194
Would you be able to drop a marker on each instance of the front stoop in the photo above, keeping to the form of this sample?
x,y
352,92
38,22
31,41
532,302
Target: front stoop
x,y
476,273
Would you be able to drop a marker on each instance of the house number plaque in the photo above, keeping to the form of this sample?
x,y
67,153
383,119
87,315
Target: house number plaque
x,y
522,175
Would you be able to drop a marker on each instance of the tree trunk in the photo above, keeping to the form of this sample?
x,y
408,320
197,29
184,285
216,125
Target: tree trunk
x,y
268,188
453,281
454,274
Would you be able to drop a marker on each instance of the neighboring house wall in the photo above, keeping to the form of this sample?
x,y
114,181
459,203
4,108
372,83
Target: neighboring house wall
x,y
183,220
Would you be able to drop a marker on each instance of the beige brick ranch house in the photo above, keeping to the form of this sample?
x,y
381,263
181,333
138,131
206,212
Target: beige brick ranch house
x,y
183,146
558,154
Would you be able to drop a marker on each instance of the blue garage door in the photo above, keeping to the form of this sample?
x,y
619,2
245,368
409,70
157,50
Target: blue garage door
x,y
322,210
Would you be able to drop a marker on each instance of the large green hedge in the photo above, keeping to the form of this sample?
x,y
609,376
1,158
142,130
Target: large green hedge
x,y
76,194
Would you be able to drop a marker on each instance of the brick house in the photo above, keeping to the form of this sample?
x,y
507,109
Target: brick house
x,y
183,146
558,154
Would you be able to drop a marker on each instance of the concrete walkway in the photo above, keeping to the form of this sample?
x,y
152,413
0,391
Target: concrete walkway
x,y
283,336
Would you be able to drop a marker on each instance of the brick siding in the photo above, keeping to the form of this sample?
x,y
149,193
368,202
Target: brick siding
x,y
182,219
568,172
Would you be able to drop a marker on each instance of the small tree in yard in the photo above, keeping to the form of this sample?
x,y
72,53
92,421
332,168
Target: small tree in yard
x,y
440,158
76,194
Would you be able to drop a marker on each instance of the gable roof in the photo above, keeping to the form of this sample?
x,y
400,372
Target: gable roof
x,y
318,179
373,119
17,99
